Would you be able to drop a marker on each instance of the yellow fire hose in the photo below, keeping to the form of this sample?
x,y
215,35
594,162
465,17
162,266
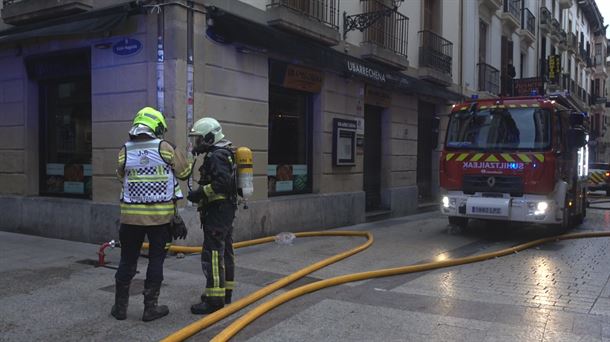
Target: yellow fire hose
x,y
216,316
260,310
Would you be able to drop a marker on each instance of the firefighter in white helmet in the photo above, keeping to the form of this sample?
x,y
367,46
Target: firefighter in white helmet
x,y
217,202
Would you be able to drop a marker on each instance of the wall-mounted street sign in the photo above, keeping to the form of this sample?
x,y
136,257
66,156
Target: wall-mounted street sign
x,y
344,142
127,47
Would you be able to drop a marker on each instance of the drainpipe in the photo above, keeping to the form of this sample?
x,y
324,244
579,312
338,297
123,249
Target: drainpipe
x,y
160,60
461,45
190,98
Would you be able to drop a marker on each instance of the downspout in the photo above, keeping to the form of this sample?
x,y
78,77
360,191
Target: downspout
x,y
461,65
160,59
190,99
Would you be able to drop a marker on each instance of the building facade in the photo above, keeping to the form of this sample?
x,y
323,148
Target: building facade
x,y
337,99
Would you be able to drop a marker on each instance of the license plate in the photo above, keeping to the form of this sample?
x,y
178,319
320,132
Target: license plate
x,y
486,211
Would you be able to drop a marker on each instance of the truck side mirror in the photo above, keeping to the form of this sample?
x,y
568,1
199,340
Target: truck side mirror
x,y
436,123
577,137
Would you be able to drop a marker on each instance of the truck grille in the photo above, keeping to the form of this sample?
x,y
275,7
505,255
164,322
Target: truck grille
x,y
483,183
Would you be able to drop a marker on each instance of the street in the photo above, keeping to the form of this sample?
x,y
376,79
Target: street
x,y
557,292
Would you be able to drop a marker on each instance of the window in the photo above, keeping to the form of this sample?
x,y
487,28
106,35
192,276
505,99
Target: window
x,y
66,137
289,168
482,41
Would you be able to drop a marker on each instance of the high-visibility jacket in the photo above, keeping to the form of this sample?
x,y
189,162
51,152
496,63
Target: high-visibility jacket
x,y
148,169
218,175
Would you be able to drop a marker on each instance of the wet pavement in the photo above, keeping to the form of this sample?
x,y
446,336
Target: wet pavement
x,y
555,292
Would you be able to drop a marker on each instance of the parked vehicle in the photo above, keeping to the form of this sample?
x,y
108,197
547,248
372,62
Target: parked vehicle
x,y
521,159
599,177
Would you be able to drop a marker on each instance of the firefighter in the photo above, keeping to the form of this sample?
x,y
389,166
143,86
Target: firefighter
x,y
216,197
148,167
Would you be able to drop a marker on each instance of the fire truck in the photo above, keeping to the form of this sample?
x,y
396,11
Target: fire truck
x,y
521,159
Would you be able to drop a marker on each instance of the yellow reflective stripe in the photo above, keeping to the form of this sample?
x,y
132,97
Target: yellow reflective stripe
x,y
462,156
167,154
185,173
147,213
539,156
229,285
491,158
524,158
215,292
215,271
209,192
449,156
483,107
507,157
168,246
512,106
476,157
523,106
536,105
150,205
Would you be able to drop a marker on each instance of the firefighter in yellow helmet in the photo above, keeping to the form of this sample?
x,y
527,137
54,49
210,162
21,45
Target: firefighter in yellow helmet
x,y
147,167
217,201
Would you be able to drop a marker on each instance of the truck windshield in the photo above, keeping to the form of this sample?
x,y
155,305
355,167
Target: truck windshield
x,y
496,129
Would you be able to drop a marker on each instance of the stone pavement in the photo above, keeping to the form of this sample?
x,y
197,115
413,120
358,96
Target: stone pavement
x,y
557,292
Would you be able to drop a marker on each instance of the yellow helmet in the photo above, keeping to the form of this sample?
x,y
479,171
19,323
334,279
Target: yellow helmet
x,y
152,119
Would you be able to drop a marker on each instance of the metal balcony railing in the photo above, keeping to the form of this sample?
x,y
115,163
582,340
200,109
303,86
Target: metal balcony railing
x,y
389,32
512,7
325,11
528,22
489,78
9,2
556,25
545,16
572,40
435,51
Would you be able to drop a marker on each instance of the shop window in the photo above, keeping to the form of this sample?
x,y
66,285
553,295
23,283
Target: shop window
x,y
289,167
65,149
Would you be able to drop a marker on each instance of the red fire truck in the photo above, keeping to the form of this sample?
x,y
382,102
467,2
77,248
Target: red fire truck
x,y
521,159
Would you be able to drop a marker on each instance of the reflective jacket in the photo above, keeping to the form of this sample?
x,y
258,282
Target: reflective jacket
x,y
218,175
148,169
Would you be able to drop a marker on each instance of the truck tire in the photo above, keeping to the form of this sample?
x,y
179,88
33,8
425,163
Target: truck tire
x,y
460,222
580,218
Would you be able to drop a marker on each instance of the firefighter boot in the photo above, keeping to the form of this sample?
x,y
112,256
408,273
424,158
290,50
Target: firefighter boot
x,y
228,295
206,306
153,311
121,299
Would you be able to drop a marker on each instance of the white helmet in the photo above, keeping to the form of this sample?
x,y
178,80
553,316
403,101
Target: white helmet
x,y
209,129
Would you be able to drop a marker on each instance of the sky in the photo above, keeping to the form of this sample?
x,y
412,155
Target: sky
x,y
604,9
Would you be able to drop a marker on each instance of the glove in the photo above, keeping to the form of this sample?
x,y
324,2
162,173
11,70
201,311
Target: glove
x,y
195,196
178,229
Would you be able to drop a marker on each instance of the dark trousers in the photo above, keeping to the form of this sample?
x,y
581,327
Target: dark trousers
x,y
218,258
131,238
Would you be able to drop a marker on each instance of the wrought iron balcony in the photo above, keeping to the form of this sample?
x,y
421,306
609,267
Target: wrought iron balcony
x,y
18,12
435,52
563,40
324,11
489,78
388,32
315,19
512,13
528,21
572,42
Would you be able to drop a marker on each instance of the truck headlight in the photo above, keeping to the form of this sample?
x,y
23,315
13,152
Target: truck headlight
x,y
541,208
445,201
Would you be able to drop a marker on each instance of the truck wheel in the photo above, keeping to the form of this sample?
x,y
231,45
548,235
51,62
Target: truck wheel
x,y
460,222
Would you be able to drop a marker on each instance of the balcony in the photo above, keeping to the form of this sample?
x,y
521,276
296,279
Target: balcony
x,y
314,19
385,41
528,26
572,43
546,19
20,12
435,58
599,67
511,15
489,79
492,5
563,4
563,41
556,30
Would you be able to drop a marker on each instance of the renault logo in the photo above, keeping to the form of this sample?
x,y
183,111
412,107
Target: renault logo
x,y
491,181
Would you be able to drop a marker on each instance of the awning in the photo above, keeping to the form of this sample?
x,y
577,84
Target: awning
x,y
85,23
228,28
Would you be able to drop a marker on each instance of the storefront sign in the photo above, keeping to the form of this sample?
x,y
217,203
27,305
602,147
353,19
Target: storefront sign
x,y
525,86
377,97
344,142
303,79
364,71
126,47
554,68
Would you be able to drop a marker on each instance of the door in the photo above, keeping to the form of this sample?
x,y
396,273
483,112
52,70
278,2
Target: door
x,y
372,157
424,151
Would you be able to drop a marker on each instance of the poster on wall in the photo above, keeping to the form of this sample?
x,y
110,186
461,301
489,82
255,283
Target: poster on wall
x,y
287,177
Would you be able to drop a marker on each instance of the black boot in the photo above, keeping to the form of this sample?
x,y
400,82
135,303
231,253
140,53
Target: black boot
x,y
228,295
121,299
205,307
153,311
